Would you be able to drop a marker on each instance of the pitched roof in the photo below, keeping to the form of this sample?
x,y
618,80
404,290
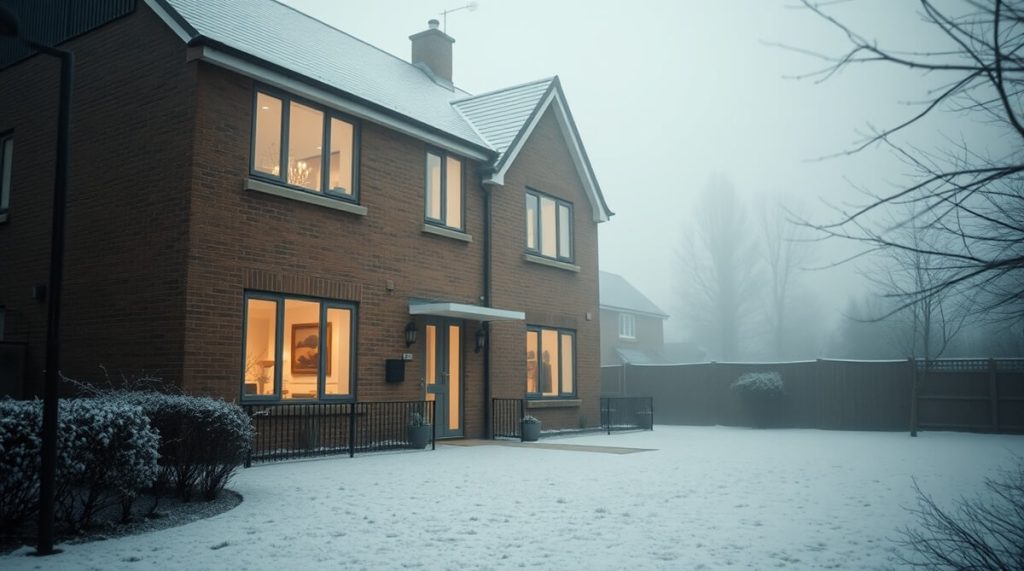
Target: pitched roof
x,y
617,293
277,36
282,36
499,116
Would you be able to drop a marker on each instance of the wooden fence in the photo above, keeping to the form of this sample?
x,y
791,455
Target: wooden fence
x,y
974,395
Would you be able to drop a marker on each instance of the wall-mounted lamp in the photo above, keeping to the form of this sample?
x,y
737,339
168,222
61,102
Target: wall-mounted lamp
x,y
481,339
410,334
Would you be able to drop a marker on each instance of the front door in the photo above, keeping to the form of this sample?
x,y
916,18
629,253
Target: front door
x,y
443,378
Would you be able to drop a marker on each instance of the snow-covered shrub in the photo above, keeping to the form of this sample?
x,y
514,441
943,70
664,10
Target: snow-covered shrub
x,y
19,461
203,440
759,383
111,455
531,420
107,453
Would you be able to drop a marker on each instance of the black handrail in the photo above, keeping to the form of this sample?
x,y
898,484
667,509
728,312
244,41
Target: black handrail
x,y
507,418
285,431
627,413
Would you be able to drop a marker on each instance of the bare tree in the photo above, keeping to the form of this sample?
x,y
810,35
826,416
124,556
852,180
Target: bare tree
x,y
785,253
718,261
923,326
973,196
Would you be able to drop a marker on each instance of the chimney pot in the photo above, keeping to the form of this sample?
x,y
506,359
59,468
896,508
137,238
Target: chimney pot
x,y
432,50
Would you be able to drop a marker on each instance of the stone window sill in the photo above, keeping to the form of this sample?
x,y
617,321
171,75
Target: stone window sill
x,y
551,263
307,197
554,403
447,233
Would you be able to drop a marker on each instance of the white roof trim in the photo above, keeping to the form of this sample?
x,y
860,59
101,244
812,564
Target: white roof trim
x,y
575,151
465,311
169,20
281,81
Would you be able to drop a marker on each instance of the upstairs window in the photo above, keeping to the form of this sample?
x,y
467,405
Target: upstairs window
x,y
444,190
548,226
6,164
550,362
290,133
627,326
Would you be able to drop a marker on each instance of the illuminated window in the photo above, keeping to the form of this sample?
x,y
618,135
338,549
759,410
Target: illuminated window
x,y
444,190
627,326
548,226
550,362
297,348
6,163
300,147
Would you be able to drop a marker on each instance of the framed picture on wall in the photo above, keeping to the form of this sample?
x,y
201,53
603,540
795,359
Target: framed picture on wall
x,y
306,348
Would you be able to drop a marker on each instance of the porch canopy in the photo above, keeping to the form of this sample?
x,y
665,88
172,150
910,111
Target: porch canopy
x,y
464,311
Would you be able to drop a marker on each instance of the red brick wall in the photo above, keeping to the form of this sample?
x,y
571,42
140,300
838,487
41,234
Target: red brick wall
x,y
123,302
550,297
163,240
248,240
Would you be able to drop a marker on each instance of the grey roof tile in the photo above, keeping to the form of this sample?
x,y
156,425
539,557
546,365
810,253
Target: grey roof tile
x,y
280,35
617,293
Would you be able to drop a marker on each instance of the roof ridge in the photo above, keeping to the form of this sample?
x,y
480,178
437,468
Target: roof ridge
x,y
360,40
499,90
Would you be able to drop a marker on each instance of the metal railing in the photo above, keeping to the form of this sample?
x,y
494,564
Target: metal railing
x,y
507,417
286,431
627,413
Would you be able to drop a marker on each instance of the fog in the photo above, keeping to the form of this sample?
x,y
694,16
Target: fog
x,y
672,96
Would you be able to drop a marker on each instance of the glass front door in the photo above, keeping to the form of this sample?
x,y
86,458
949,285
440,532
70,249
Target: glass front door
x,y
443,375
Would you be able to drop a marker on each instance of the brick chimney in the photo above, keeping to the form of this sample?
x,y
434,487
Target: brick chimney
x,y
432,51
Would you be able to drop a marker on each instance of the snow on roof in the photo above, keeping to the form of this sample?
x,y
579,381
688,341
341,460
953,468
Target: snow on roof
x,y
277,35
617,293
500,115
283,36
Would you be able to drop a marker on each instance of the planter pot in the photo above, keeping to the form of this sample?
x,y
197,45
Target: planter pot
x,y
531,431
763,410
419,436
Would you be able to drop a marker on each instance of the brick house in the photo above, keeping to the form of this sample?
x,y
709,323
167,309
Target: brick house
x,y
212,241
632,326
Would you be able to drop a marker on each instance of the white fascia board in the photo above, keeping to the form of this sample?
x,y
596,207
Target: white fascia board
x,y
466,311
169,20
575,150
283,82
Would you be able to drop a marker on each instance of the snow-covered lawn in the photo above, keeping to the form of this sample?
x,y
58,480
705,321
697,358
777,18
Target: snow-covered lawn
x,y
706,497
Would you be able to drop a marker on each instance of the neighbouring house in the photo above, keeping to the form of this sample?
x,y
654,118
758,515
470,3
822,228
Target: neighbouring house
x,y
632,326
264,208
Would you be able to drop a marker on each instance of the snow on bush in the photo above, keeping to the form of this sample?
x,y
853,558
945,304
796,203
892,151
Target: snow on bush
x,y
203,440
759,383
107,453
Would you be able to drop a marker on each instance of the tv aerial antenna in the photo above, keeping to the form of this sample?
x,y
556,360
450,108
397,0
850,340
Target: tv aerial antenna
x,y
471,6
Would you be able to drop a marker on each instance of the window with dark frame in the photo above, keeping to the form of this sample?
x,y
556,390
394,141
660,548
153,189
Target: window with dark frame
x,y
6,166
550,362
549,226
443,190
297,348
288,142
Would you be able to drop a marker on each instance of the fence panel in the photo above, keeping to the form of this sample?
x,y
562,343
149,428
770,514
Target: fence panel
x,y
963,394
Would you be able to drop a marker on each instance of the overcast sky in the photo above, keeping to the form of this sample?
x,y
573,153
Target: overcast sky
x,y
668,93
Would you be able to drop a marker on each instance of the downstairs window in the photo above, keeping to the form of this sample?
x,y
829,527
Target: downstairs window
x,y
297,348
550,362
